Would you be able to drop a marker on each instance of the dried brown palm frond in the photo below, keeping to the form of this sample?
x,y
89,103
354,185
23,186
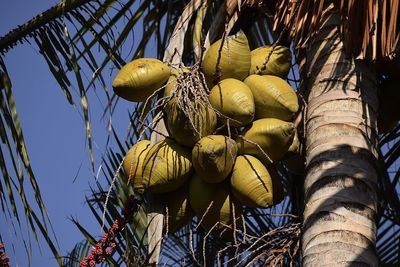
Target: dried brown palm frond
x,y
370,29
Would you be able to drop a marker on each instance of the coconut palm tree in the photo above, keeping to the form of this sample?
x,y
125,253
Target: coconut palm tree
x,y
347,200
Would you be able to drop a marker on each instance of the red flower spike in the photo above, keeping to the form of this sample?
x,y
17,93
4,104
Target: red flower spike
x,y
106,244
4,259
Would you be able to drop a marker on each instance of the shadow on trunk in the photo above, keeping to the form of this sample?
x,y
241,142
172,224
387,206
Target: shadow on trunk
x,y
350,221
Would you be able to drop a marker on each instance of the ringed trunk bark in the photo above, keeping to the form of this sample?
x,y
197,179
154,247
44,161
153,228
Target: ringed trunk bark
x,y
341,149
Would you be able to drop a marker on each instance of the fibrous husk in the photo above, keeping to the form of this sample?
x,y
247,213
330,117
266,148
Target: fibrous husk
x,y
212,203
178,208
166,167
187,131
232,61
253,185
234,99
173,79
270,60
273,97
133,164
138,79
269,136
213,157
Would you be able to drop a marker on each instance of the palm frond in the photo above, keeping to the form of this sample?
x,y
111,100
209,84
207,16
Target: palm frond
x,y
28,29
17,158
106,204
388,247
75,256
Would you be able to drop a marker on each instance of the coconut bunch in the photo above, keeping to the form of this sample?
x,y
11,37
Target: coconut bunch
x,y
229,120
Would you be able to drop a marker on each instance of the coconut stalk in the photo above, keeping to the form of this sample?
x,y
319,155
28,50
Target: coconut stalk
x,y
155,209
173,55
341,150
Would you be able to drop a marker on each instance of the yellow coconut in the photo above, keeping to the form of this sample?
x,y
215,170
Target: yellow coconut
x,y
234,100
166,167
273,136
133,164
232,61
212,203
178,208
215,155
181,128
138,79
172,81
273,97
269,60
253,185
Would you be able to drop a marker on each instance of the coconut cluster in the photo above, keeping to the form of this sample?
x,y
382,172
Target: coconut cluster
x,y
229,120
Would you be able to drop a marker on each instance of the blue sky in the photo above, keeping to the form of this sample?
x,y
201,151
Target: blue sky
x,y
55,136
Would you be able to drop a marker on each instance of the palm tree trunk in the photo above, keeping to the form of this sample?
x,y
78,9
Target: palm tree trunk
x,y
341,150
